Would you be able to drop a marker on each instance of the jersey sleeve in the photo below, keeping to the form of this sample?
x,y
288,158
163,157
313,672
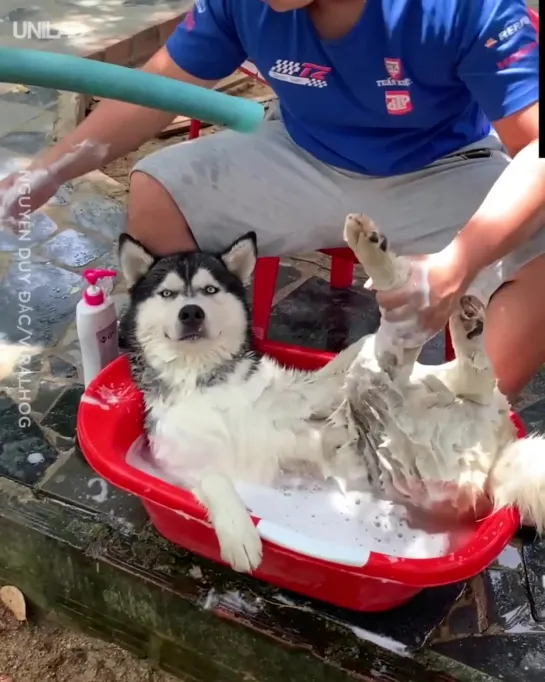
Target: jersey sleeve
x,y
206,43
499,55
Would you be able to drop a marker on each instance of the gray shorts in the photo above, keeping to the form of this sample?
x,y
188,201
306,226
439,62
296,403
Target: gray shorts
x,y
228,183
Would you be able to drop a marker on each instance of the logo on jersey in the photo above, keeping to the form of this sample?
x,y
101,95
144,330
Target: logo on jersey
x,y
393,67
300,73
515,27
398,102
491,42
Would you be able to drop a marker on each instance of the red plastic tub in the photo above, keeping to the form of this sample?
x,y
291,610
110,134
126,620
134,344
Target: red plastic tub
x,y
110,420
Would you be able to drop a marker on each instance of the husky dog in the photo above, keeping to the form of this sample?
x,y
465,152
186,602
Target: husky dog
x,y
218,413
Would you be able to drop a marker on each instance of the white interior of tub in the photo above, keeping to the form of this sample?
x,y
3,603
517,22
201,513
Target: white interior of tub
x,y
317,519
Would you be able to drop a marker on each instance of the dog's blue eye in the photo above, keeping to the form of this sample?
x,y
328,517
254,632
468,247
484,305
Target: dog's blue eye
x,y
166,293
211,290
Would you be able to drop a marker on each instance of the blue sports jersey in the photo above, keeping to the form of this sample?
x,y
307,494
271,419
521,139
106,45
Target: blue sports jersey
x,y
414,80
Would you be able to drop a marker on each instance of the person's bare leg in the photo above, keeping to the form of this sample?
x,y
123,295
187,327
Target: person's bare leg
x,y
155,219
515,328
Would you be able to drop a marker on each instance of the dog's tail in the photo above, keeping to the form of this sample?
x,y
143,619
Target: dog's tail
x,y
518,480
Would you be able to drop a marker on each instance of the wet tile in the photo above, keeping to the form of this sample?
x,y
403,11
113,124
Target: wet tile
x,y
25,454
72,351
46,395
19,14
287,274
464,620
410,624
532,392
537,384
534,566
44,98
41,227
121,302
26,372
533,416
73,249
316,316
63,195
506,598
510,658
51,292
109,260
101,215
78,484
62,417
14,115
61,368
28,142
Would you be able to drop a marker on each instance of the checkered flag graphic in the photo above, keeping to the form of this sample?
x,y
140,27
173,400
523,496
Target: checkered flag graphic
x,y
286,66
316,83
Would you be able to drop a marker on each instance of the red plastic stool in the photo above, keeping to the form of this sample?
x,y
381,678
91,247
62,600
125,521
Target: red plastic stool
x,y
341,277
342,274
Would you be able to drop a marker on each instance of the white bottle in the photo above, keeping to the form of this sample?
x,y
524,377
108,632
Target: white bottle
x,y
96,322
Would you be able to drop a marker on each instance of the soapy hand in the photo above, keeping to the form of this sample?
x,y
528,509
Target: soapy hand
x,y
421,308
21,193
27,190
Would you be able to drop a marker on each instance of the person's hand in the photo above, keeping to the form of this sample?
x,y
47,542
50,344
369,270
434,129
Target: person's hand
x,y
421,308
21,193
24,191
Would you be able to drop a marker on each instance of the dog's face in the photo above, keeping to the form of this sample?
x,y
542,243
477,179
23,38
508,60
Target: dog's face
x,y
189,305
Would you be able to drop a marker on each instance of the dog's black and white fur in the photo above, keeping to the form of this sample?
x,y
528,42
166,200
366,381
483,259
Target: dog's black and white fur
x,y
218,413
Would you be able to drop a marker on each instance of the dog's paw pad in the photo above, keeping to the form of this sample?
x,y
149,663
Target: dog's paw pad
x,y
360,231
472,314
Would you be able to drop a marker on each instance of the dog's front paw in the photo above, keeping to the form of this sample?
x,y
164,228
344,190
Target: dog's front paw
x,y
239,541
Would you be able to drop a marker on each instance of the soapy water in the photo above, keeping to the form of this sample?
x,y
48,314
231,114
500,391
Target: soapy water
x,y
322,511
108,396
29,181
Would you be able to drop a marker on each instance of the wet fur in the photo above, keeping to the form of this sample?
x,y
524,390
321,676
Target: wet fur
x,y
439,438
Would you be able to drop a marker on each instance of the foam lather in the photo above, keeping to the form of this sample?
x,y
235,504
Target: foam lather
x,y
91,77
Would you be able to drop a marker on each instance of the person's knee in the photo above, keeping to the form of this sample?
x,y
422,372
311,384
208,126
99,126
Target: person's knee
x,y
154,218
515,329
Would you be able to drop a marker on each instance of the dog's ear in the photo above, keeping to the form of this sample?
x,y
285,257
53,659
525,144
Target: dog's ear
x,y
134,259
240,258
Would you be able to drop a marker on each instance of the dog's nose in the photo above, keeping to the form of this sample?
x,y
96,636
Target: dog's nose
x,y
191,315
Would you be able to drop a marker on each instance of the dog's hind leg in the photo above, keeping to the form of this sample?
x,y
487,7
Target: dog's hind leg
x,y
238,538
471,375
